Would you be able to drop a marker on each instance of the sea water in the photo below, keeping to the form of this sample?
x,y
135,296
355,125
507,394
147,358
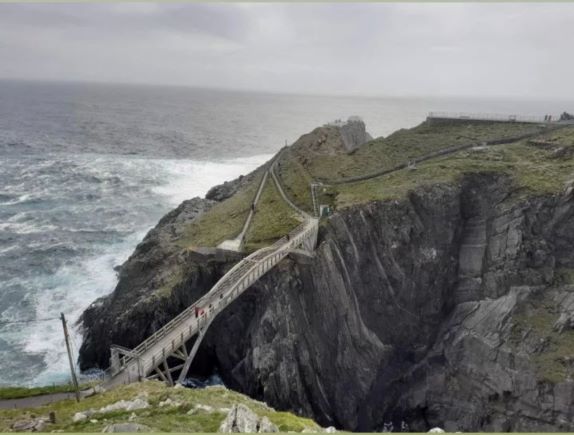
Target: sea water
x,y
86,170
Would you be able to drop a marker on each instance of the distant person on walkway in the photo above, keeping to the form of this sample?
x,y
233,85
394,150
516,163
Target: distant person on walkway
x,y
253,207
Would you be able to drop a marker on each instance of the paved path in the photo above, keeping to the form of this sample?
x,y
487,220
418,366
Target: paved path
x,y
44,399
35,401
236,244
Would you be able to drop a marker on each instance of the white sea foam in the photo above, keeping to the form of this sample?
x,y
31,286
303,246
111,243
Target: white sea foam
x,y
74,286
194,178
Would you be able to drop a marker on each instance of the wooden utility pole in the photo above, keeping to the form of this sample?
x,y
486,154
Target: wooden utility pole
x,y
72,369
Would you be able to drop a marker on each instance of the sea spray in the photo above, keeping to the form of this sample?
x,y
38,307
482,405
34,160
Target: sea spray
x,y
79,217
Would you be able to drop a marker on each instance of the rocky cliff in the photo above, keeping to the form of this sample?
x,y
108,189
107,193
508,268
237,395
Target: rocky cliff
x,y
451,306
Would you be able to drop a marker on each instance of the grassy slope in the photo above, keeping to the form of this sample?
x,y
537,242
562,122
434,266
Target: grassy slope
x,y
164,419
537,318
225,220
403,145
534,170
273,219
384,153
20,392
296,180
318,155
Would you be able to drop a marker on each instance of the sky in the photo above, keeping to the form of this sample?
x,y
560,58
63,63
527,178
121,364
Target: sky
x,y
377,49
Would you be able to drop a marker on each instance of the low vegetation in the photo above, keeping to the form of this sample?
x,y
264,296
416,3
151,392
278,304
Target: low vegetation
x,y
190,410
21,392
296,181
552,357
273,219
224,221
537,165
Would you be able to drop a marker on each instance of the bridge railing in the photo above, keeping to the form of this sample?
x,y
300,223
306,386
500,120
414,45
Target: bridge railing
x,y
224,287
497,117
172,324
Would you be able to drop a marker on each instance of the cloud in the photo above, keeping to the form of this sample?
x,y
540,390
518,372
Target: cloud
x,y
340,48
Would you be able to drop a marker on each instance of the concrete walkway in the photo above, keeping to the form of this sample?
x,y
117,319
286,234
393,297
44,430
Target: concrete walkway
x,y
236,244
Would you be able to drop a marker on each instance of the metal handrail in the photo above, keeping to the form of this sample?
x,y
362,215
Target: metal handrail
x,y
297,235
488,117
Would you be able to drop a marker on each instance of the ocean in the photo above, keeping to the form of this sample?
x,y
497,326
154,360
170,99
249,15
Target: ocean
x,y
87,169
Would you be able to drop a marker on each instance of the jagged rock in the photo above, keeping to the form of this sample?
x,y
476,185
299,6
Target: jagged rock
x,y
126,405
79,416
225,190
242,419
265,426
354,133
31,425
330,429
96,389
127,427
436,430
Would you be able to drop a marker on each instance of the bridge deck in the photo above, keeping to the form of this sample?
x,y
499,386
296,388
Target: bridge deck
x,y
154,351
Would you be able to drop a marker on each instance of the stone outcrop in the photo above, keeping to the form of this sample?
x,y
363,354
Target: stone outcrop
x,y
354,133
31,425
450,308
242,419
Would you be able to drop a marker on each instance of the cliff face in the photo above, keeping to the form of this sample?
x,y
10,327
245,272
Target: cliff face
x,y
453,307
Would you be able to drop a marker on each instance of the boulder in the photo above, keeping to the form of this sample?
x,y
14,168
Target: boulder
x,y
242,419
79,416
31,425
127,405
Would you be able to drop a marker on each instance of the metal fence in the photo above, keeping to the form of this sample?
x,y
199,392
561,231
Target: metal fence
x,y
490,117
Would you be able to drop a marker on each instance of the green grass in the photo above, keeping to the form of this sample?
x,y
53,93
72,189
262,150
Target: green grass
x,y
534,171
320,155
273,219
538,317
224,220
21,392
162,419
296,180
404,145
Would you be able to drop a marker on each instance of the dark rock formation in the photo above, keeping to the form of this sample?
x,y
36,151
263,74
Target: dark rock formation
x,y
450,308
354,133
230,188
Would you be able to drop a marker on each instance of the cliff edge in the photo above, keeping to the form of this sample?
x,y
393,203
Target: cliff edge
x,y
440,294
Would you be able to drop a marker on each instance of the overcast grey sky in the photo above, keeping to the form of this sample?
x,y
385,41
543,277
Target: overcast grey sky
x,y
411,49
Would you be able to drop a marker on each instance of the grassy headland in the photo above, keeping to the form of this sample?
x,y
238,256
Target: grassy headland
x,y
187,416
